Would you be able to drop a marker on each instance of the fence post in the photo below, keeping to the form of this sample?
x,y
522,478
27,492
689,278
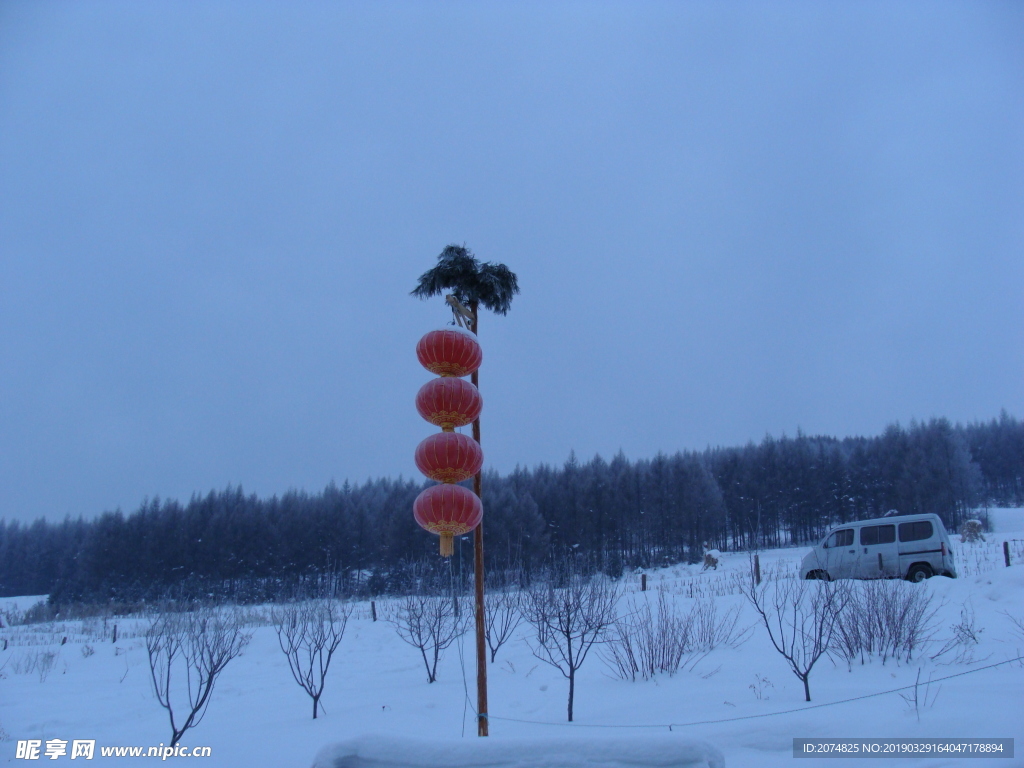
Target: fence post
x,y
373,610
757,569
643,582
114,638
1006,553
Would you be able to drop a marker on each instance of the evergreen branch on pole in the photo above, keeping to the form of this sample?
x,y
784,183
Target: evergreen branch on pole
x,y
470,281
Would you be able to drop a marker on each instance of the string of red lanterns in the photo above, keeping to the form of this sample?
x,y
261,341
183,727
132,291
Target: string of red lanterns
x,y
449,510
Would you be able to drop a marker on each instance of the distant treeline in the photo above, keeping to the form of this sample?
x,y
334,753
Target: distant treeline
x,y
618,514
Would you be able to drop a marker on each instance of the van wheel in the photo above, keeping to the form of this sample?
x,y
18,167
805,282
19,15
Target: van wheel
x,y
919,573
823,575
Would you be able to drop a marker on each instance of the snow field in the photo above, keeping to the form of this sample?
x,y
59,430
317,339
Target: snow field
x,y
91,688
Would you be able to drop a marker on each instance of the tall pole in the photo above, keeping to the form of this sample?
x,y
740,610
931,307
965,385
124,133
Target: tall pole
x,y
478,572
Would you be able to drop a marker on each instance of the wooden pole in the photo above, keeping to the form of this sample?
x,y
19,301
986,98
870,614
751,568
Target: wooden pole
x,y
1006,553
643,582
478,574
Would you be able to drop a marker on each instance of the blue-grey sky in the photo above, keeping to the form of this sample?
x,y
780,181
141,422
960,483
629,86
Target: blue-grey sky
x,y
728,219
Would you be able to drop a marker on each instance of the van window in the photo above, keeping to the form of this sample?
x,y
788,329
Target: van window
x,y
922,529
843,538
878,534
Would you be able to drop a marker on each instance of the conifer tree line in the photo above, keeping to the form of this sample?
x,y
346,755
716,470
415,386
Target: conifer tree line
x,y
616,515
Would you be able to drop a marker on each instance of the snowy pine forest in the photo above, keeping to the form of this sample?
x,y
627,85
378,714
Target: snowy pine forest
x,y
615,516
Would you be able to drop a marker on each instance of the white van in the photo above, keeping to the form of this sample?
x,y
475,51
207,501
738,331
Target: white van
x,y
914,547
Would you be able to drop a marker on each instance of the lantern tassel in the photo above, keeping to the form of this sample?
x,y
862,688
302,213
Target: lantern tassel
x,y
447,545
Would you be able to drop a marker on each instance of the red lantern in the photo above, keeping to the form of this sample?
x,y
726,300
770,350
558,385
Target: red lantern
x,y
449,457
449,402
448,510
450,352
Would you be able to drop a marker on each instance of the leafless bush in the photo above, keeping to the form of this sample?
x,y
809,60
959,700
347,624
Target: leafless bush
x,y
885,618
189,651
1018,624
430,623
801,618
503,613
711,630
309,633
917,698
39,663
569,619
646,642
760,687
964,638
1018,631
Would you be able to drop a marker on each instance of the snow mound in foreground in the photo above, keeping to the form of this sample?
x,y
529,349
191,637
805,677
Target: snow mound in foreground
x,y
649,751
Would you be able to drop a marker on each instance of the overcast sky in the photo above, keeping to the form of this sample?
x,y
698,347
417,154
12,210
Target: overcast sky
x,y
727,220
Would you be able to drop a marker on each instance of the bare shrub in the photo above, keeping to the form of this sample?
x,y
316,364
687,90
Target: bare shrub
x,y
430,623
309,633
1018,624
502,614
917,698
569,619
711,629
760,687
801,618
188,651
39,663
45,661
1018,631
885,618
965,636
646,642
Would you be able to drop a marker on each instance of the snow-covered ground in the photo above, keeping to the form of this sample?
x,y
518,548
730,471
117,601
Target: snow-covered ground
x,y
18,605
91,688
